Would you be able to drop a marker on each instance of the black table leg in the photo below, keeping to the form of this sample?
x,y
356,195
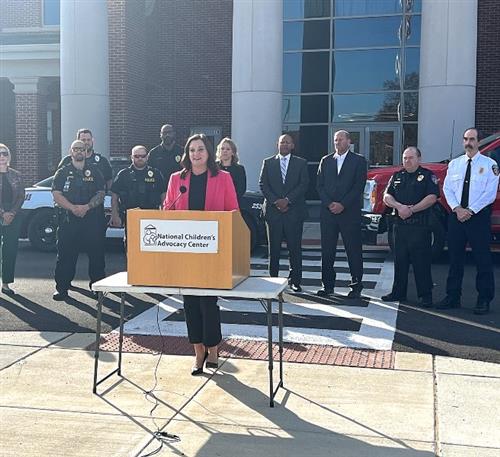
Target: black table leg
x,y
97,339
120,338
270,349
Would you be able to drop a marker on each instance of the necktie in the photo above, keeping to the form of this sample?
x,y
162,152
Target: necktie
x,y
283,169
464,202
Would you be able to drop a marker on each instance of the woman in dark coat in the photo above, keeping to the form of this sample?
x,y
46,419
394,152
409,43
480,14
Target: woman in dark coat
x,y
11,200
228,160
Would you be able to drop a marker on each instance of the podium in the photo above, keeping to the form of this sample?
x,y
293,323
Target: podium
x,y
195,249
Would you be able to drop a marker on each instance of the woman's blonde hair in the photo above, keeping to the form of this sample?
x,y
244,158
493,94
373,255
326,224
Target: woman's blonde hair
x,y
4,146
232,144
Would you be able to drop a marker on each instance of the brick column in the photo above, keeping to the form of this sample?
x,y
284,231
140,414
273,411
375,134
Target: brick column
x,y
26,157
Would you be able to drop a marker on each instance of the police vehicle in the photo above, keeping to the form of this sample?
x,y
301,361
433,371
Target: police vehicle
x,y
40,220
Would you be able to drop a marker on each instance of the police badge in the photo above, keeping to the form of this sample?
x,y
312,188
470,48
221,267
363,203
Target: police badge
x,y
420,178
177,159
150,173
97,158
88,173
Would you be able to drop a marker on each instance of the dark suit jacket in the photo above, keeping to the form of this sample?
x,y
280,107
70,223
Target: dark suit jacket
x,y
294,188
347,187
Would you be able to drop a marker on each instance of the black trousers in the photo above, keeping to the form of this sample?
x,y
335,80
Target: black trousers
x,y
477,232
291,231
75,235
202,320
413,246
350,229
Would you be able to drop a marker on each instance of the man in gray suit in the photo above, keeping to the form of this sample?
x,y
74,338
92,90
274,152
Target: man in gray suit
x,y
340,184
284,181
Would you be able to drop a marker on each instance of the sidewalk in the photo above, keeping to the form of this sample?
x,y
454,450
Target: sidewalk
x,y
423,406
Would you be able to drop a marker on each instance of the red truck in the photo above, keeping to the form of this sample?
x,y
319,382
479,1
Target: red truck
x,y
376,216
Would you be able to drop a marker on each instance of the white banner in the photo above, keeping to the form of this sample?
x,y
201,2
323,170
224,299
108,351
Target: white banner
x,y
179,236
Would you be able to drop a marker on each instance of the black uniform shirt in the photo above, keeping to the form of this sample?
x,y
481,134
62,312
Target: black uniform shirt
x,y
139,188
166,161
79,186
411,188
95,159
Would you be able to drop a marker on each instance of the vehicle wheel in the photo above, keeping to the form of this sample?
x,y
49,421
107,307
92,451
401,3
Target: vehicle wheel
x,y
252,226
42,230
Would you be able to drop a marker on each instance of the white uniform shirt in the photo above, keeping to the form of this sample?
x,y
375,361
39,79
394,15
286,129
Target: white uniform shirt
x,y
483,181
340,160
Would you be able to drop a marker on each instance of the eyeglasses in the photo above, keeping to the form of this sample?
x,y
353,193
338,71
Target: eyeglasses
x,y
4,152
78,149
143,156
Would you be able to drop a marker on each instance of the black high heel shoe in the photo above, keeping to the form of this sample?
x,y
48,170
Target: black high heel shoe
x,y
196,371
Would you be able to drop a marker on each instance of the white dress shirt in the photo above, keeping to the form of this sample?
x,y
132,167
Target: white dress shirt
x,y
483,182
340,160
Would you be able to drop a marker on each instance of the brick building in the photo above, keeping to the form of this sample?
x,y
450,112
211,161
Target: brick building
x,y
393,73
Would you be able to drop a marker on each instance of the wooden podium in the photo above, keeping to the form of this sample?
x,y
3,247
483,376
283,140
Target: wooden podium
x,y
151,265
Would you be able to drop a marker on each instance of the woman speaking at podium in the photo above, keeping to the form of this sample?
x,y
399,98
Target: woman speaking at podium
x,y
200,185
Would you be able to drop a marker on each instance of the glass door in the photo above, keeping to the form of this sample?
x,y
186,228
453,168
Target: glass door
x,y
379,144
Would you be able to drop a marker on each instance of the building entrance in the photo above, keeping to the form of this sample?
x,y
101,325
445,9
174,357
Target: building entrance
x,y
380,144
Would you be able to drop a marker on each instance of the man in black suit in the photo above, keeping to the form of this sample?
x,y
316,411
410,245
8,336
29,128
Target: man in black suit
x,y
284,181
340,184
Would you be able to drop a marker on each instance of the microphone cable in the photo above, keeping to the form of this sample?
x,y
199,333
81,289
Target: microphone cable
x,y
160,436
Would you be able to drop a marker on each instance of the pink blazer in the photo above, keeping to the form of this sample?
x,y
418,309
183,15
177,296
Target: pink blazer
x,y
220,196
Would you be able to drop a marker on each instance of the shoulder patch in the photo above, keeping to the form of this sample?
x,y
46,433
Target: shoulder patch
x,y
434,178
495,169
97,158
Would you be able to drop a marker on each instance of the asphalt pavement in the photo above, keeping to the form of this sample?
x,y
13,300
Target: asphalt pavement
x,y
456,333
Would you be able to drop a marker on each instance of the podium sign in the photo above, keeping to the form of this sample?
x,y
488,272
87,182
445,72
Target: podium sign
x,y
199,249
179,236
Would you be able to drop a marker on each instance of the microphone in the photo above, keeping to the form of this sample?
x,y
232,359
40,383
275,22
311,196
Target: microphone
x,y
182,190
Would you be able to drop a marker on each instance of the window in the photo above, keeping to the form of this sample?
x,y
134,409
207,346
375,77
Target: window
x,y
51,12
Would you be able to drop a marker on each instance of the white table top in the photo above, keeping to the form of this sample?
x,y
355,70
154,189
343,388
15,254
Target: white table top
x,y
253,287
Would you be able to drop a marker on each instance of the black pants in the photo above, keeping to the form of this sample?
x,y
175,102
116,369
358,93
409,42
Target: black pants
x,y
412,245
9,238
350,229
290,231
202,320
477,232
75,235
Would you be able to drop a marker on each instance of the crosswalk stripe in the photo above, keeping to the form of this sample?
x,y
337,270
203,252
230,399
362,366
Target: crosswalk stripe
x,y
377,319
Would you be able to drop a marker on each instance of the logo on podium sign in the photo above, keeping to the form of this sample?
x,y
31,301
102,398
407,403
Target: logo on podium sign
x,y
200,237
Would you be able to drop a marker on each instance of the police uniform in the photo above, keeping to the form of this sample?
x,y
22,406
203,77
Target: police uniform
x,y
75,234
482,186
412,242
95,159
138,188
165,160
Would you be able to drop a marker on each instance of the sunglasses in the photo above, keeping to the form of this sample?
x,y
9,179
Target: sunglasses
x,y
142,156
78,149
4,152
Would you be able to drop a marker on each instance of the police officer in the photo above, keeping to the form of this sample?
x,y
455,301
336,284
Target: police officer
x,y
470,188
138,186
78,191
92,157
167,156
411,193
